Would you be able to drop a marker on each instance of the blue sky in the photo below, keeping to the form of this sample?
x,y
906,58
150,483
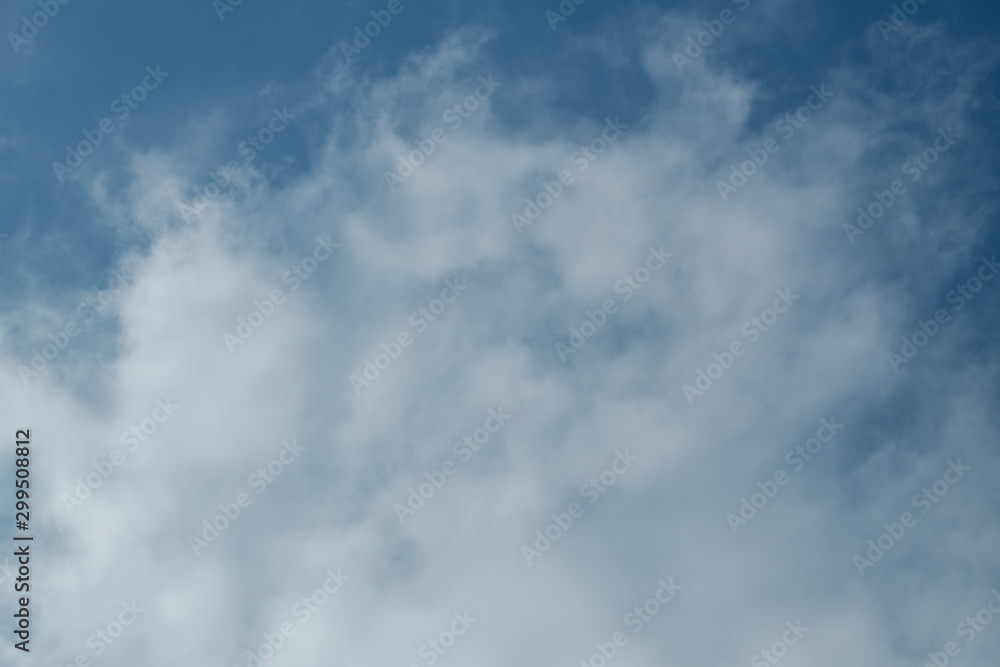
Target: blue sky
x,y
619,290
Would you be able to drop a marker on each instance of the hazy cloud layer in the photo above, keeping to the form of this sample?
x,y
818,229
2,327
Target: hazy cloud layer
x,y
468,300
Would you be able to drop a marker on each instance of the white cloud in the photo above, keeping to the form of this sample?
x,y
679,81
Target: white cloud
x,y
495,346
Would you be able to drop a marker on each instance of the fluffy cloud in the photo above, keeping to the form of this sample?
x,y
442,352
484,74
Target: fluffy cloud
x,y
494,347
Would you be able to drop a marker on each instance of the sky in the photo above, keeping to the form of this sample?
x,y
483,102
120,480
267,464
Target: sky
x,y
425,333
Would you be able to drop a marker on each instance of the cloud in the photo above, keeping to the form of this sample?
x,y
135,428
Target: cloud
x,y
655,185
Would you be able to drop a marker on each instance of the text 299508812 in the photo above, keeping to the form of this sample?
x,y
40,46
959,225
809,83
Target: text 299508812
x,y
23,551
